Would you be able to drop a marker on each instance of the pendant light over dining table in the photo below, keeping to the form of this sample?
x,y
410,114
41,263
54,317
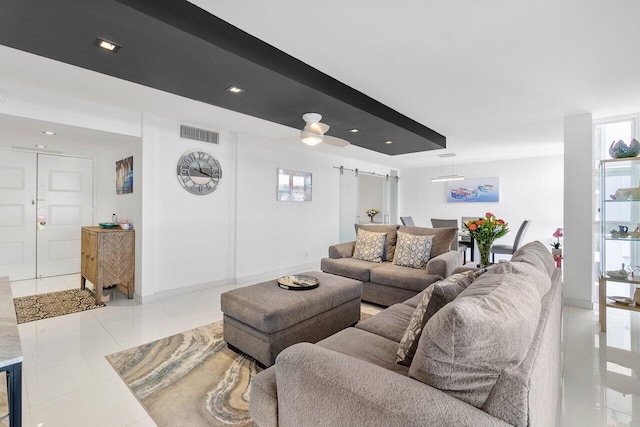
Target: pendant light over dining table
x,y
443,177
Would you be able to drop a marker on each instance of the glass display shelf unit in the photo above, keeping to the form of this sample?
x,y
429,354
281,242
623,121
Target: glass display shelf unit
x,y
619,213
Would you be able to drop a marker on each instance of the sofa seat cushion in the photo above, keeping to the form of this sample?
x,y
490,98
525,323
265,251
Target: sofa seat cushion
x,y
350,267
390,243
403,277
390,323
442,237
488,329
365,346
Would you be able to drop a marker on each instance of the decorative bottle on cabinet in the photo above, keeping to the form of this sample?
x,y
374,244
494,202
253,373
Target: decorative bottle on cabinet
x,y
619,237
108,258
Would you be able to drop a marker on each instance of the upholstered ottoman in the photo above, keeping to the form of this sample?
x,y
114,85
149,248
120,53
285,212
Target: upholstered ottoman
x,y
264,319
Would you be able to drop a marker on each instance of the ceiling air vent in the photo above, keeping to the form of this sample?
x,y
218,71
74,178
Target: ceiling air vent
x,y
197,134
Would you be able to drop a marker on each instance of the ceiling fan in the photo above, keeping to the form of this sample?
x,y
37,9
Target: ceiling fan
x,y
314,132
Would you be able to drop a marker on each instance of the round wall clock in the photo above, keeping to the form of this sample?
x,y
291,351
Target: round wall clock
x,y
199,172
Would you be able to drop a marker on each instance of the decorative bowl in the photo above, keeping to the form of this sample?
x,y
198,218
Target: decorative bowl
x,y
622,300
126,225
618,274
108,224
613,196
619,150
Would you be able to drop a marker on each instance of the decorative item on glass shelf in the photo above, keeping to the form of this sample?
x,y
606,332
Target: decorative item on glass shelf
x,y
619,150
556,251
484,231
371,213
618,274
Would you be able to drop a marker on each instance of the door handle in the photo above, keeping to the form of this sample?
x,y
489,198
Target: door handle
x,y
42,223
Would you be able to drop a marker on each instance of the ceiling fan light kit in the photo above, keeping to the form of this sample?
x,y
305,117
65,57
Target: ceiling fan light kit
x,y
310,138
313,132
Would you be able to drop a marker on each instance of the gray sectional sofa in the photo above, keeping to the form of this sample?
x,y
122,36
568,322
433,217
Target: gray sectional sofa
x,y
489,357
385,283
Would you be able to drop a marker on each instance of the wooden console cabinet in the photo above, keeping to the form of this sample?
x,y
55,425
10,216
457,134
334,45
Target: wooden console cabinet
x,y
108,258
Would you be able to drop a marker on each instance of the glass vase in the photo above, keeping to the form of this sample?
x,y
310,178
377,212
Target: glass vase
x,y
485,252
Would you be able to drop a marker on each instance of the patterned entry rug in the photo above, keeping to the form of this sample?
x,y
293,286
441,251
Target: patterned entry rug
x,y
190,379
43,306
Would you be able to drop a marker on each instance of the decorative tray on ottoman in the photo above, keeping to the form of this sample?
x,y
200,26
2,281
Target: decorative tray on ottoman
x,y
298,282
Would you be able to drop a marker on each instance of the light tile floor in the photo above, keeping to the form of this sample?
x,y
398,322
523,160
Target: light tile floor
x,y
67,381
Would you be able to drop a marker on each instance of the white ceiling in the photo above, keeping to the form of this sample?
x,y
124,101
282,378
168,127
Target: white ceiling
x,y
496,77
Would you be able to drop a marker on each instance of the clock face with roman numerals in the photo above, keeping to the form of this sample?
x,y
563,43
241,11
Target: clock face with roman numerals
x,y
199,172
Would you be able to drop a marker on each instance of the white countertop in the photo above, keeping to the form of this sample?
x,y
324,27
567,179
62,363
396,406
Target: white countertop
x,y
10,349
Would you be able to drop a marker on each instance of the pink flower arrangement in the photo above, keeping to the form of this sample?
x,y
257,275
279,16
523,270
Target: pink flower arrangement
x,y
557,234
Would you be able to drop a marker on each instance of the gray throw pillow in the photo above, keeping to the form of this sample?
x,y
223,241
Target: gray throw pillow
x,y
412,251
369,246
434,298
390,244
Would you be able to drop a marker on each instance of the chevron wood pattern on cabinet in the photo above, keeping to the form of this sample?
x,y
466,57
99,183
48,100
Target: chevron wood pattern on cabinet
x,y
108,258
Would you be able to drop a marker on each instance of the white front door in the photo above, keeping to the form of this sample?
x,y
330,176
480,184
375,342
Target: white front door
x,y
64,205
17,214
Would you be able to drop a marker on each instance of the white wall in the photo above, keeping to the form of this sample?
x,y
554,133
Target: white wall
x,y
188,240
579,234
277,236
529,189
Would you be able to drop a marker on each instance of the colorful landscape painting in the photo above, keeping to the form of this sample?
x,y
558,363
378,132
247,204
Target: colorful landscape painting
x,y
124,176
476,190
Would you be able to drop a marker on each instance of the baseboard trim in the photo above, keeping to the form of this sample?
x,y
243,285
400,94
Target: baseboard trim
x,y
274,274
572,302
245,280
183,290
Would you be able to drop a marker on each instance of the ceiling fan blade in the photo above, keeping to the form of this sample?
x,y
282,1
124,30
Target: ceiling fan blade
x,y
336,142
317,127
288,139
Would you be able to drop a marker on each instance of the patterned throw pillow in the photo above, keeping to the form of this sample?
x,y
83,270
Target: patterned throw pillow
x,y
369,246
412,251
435,297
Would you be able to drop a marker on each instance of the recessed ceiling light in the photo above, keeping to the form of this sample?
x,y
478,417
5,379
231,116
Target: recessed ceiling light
x,y
235,89
106,45
354,130
48,132
388,142
40,146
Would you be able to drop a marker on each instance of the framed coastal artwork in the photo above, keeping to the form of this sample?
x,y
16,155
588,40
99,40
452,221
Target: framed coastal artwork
x,y
124,176
475,190
294,186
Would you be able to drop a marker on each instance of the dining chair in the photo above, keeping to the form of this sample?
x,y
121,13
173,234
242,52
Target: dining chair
x,y
510,249
456,245
407,220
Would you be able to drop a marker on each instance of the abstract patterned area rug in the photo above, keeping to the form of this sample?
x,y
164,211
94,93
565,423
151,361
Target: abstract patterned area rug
x,y
192,377
44,306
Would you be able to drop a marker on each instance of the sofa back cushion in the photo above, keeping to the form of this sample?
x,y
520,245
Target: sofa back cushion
x,y
390,243
529,394
538,277
412,251
536,254
369,246
433,299
467,345
442,237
